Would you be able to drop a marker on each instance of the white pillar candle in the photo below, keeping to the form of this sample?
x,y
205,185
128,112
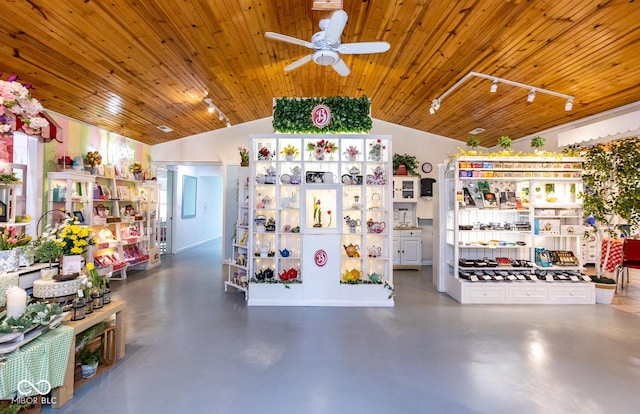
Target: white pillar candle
x,y
16,301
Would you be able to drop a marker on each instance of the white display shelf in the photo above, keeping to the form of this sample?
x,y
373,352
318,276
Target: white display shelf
x,y
281,183
531,181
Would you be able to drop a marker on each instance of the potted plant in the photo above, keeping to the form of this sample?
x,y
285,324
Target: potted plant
x,y
244,156
537,143
409,161
89,360
505,143
611,193
290,152
473,142
605,289
47,251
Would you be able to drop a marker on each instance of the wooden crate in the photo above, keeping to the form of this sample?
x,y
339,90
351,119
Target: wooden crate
x,y
105,340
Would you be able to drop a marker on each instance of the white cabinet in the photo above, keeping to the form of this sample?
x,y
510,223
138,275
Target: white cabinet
x,y
320,222
406,188
407,249
513,230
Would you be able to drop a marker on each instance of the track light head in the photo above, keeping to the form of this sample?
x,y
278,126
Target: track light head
x,y
220,117
432,111
531,96
494,86
210,109
569,105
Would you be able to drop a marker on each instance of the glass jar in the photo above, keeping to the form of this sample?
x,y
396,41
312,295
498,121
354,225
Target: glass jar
x,y
96,297
106,294
78,306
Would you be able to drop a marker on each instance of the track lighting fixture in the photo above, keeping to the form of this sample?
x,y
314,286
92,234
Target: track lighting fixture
x,y
435,104
569,105
212,108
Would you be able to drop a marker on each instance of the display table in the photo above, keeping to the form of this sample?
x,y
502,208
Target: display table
x,y
117,309
43,359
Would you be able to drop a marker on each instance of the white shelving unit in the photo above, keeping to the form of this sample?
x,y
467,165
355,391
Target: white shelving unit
x,y
123,214
282,190
530,205
237,276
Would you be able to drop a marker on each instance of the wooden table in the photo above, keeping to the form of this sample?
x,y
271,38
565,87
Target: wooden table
x,y
116,308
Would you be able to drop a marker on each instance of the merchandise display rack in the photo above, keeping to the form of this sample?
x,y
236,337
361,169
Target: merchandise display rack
x,y
306,213
237,265
513,230
123,213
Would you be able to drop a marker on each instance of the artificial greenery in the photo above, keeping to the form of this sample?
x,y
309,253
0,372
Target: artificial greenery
x,y
90,357
537,142
8,179
48,251
14,408
611,191
370,282
293,115
409,161
473,142
504,142
603,279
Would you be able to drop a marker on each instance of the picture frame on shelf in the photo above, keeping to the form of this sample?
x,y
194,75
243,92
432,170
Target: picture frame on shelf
x,y
123,192
106,192
79,216
118,170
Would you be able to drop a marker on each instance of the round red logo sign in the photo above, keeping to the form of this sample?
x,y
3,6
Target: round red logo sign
x,y
321,115
320,258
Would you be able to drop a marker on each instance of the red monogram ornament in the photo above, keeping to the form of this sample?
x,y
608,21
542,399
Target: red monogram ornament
x,y
321,115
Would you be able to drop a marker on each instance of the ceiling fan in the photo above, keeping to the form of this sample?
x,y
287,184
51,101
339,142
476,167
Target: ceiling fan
x,y
327,47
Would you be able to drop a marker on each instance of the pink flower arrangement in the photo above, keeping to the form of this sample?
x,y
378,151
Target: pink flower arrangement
x,y
322,146
16,101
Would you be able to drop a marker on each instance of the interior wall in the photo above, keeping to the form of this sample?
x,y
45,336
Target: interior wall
x,y
207,224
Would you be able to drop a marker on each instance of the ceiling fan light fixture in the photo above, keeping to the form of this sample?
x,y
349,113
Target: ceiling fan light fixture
x,y
569,105
326,57
494,86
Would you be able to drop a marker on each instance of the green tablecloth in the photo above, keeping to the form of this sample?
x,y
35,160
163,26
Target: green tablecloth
x,y
44,358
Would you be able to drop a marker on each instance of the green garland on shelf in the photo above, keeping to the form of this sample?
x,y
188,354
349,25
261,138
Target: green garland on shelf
x,y
293,115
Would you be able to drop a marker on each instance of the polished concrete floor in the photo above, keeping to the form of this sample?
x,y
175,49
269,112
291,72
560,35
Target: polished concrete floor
x,y
192,348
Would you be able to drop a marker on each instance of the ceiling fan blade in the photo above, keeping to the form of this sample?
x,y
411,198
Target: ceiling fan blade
x,y
363,47
299,62
288,39
341,68
336,26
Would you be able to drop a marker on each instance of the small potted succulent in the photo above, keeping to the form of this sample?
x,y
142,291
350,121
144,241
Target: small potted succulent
x,y
89,362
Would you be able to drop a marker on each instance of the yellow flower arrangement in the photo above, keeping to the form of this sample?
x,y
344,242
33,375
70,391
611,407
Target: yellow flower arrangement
x,y
290,150
74,238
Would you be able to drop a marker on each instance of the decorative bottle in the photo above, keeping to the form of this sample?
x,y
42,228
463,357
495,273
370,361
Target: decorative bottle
x,y
78,306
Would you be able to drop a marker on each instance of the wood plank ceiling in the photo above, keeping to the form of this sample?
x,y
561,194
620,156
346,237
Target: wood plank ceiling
x,y
130,66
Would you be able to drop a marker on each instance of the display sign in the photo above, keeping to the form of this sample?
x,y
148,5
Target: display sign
x,y
321,115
